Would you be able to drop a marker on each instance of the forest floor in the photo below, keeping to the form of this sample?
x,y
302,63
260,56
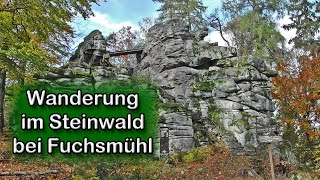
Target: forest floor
x,y
199,163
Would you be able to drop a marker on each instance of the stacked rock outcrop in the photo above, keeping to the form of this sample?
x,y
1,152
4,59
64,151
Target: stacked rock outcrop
x,y
208,94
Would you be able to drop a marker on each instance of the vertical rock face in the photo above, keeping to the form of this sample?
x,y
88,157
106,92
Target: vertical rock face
x,y
208,94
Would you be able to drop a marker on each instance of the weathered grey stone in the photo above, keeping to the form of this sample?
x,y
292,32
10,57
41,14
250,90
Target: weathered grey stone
x,y
223,87
214,93
206,95
256,101
231,114
270,73
123,71
201,34
245,74
234,98
214,75
261,118
259,64
80,69
175,48
68,73
51,75
91,50
182,131
102,72
177,118
229,105
228,86
204,109
181,144
219,94
63,81
245,86
214,68
122,77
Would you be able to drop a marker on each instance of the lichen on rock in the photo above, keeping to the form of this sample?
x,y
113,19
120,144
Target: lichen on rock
x,y
225,96
207,93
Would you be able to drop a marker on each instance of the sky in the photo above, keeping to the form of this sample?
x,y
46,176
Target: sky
x,y
112,15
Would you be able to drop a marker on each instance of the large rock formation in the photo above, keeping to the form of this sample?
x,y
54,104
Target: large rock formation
x,y
91,51
208,94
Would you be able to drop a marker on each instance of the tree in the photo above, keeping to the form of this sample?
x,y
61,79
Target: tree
x,y
266,8
252,27
124,39
304,14
33,35
2,94
254,35
297,91
216,23
305,17
144,25
192,11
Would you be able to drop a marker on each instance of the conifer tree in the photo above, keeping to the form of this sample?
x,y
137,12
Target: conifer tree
x,y
191,11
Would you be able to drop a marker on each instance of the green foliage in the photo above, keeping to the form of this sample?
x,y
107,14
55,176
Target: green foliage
x,y
172,106
316,156
297,92
196,154
252,27
192,11
205,86
266,8
255,35
35,33
195,47
80,73
214,113
305,16
193,155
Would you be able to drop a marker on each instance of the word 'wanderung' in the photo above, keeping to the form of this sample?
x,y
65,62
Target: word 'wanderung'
x,y
78,99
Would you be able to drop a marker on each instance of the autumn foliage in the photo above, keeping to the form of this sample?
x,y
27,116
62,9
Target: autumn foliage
x,y
200,163
297,91
122,40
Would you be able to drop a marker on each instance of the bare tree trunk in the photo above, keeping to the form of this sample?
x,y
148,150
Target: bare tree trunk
x,y
2,94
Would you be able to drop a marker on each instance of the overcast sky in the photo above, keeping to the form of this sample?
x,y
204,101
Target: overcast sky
x,y
112,15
